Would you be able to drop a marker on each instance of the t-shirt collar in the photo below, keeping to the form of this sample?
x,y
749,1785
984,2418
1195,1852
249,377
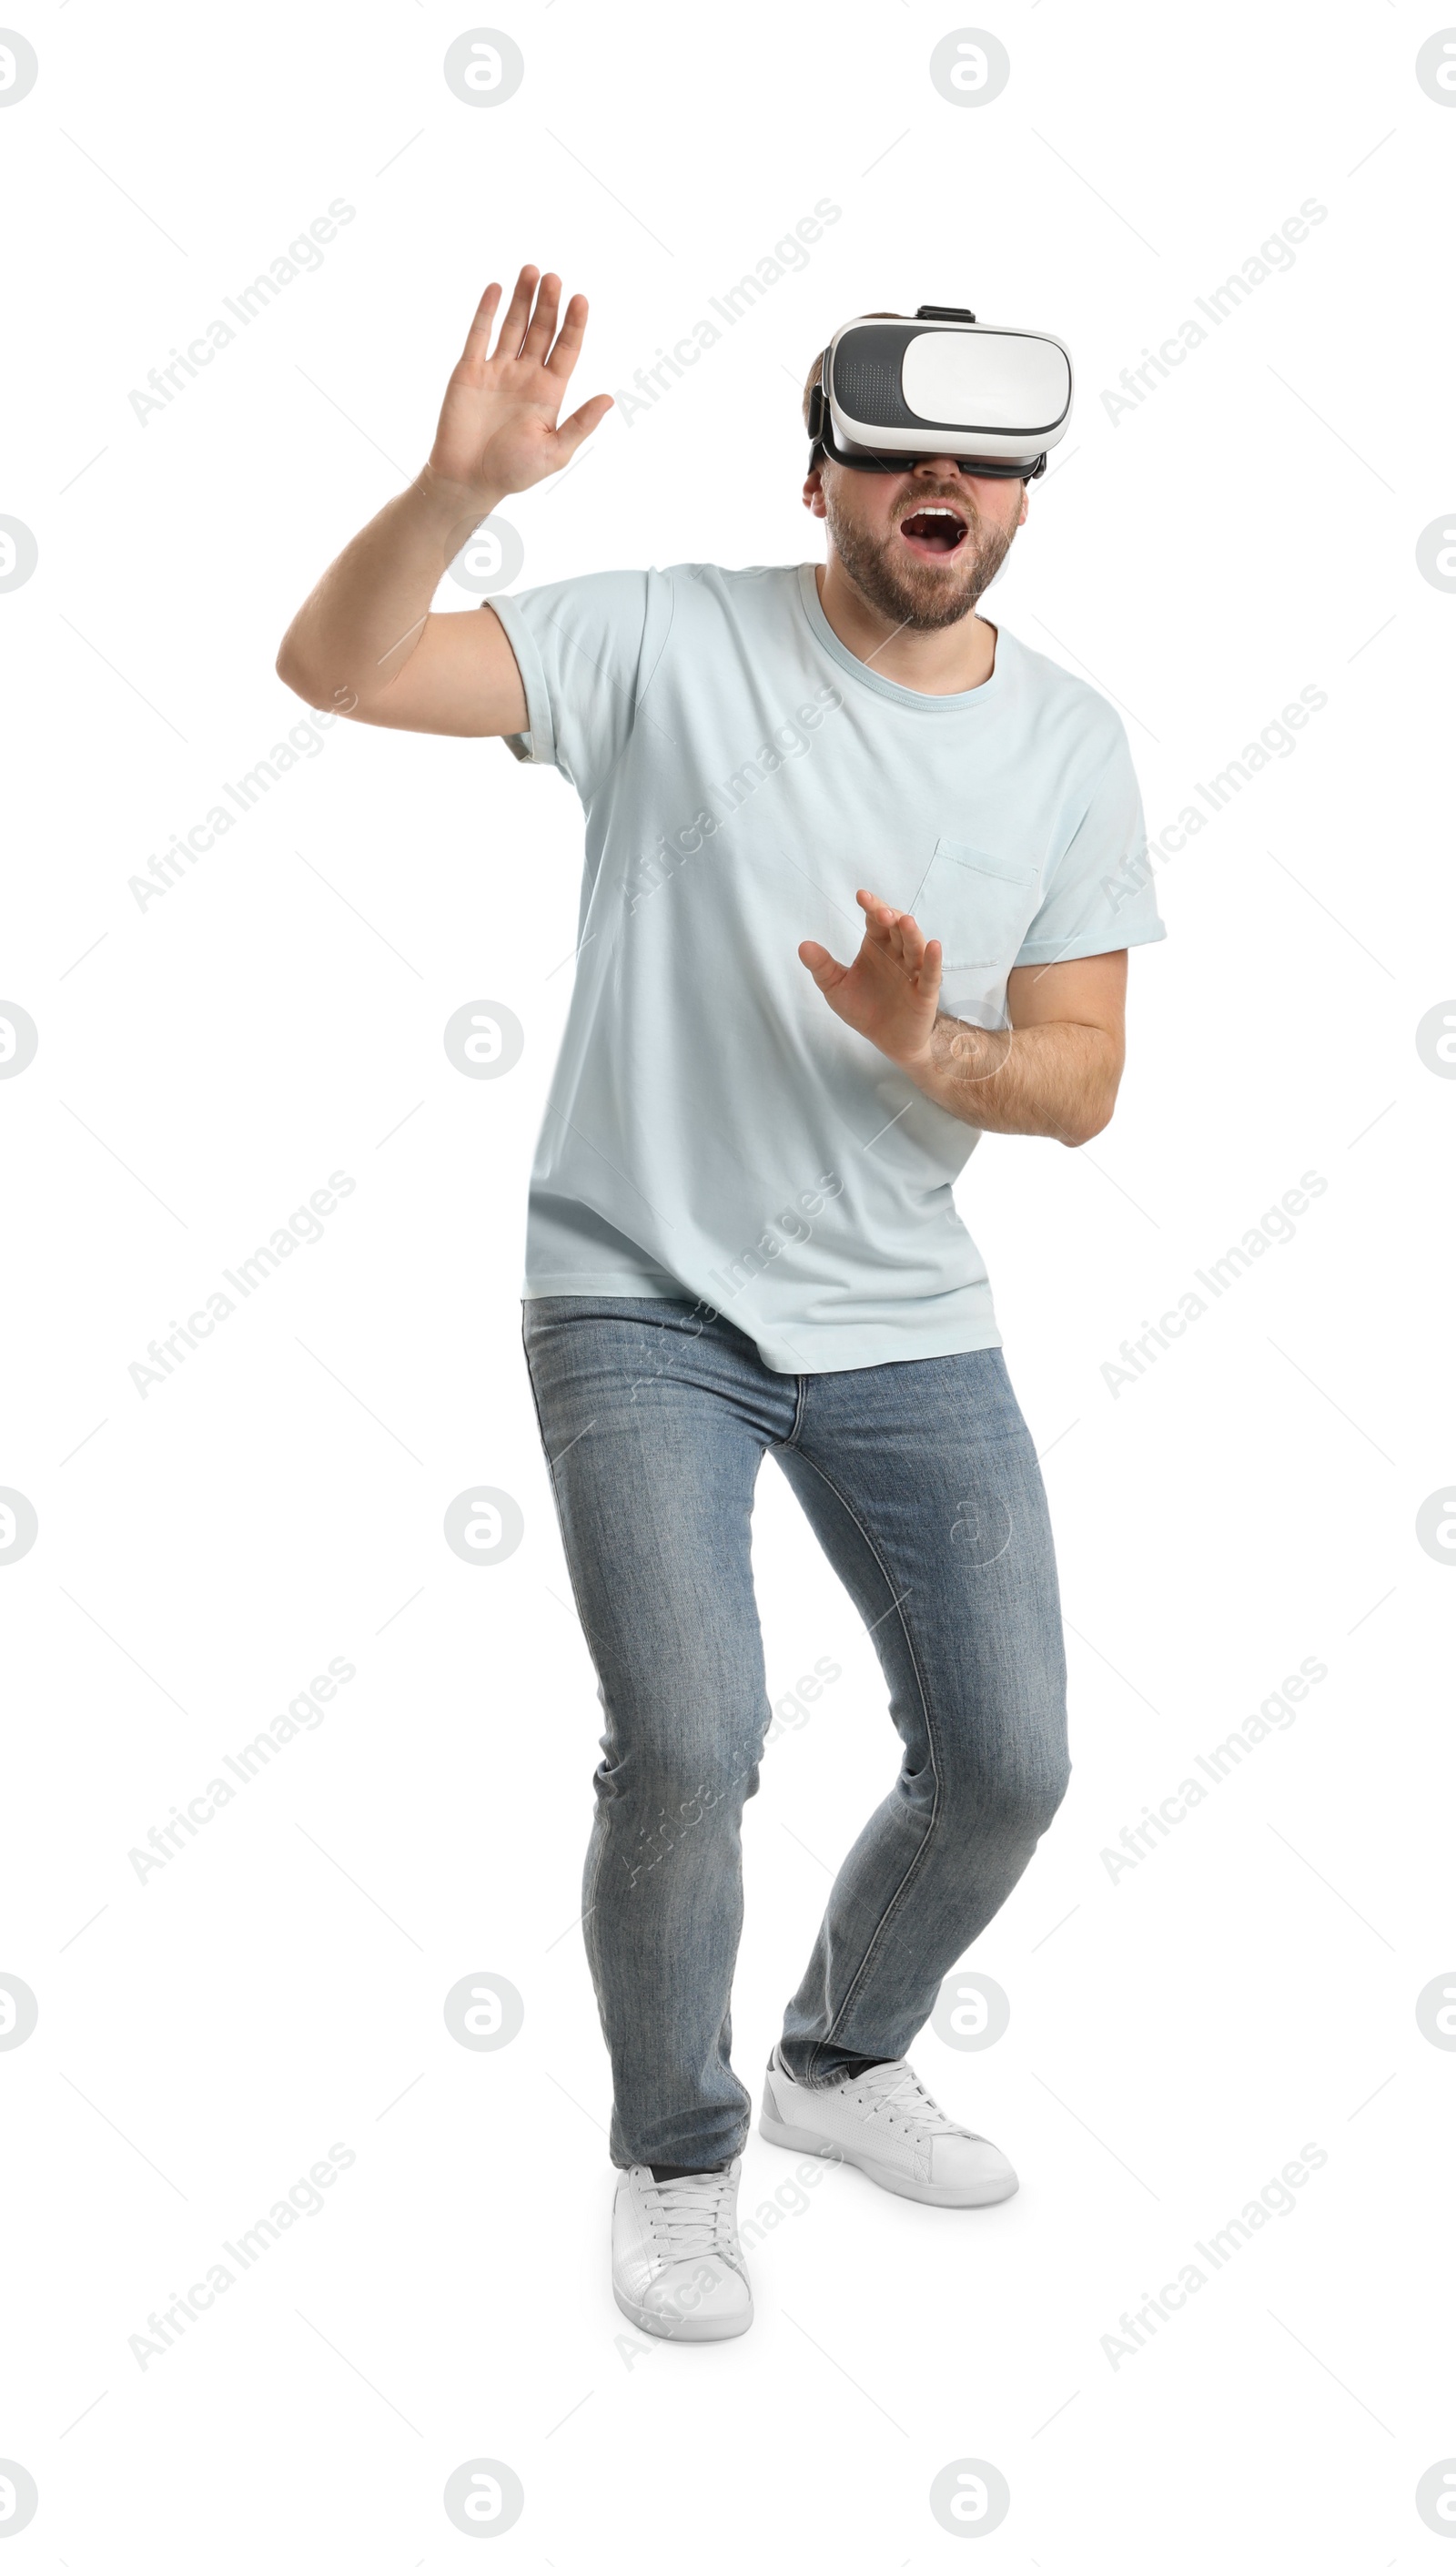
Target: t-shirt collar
x,y
829,639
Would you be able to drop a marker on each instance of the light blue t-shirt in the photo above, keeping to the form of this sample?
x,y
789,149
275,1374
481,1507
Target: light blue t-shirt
x,y
712,1129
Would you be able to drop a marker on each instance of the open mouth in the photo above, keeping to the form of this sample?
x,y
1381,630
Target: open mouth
x,y
934,531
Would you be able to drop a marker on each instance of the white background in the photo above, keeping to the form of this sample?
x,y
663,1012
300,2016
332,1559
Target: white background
x,y
205,1062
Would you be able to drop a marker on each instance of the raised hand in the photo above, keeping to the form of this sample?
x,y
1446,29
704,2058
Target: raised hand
x,y
890,991
498,426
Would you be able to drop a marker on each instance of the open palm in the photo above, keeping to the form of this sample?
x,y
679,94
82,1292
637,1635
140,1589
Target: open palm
x,y
890,991
498,426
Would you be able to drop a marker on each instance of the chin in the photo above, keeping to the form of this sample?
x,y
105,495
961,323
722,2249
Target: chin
x,y
925,596
931,614
925,605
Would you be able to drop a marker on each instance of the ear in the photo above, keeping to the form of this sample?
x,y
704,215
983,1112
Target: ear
x,y
1025,504
814,493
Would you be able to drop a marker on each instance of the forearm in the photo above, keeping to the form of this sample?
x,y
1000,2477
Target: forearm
x,y
354,633
1057,1080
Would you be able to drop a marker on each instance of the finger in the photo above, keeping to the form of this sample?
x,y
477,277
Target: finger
x,y
875,907
930,970
895,932
897,954
575,431
518,313
568,349
542,331
816,958
912,941
477,338
879,919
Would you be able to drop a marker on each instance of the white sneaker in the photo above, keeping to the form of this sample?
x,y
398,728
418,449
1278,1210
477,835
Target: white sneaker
x,y
678,2267
884,2122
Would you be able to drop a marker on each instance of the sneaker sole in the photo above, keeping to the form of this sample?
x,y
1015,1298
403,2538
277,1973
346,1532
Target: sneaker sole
x,y
686,2329
942,2196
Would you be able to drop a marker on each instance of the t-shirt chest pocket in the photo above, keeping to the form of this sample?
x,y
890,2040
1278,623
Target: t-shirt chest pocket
x,y
980,906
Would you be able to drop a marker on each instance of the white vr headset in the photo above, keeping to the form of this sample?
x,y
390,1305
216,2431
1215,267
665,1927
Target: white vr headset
x,y
942,384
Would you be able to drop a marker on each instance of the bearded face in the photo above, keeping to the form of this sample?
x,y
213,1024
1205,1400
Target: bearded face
x,y
922,550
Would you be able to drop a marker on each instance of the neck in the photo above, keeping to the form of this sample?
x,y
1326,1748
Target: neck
x,y
945,662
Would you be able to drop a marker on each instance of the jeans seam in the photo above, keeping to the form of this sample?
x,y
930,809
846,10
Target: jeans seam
x,y
596,1840
596,1848
801,1403
540,1421
902,1887
555,1503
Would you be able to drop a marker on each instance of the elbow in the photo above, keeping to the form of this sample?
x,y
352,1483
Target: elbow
x,y
290,667
303,680
1094,1115
293,668
1093,1108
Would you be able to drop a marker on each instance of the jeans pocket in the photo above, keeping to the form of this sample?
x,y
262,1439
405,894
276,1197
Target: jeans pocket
x,y
980,905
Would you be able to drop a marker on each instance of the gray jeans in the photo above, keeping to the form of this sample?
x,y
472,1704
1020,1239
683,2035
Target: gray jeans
x,y
922,1485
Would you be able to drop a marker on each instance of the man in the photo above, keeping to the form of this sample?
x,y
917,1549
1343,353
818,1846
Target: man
x,y
742,1234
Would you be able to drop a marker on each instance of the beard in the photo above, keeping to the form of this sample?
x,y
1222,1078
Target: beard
x,y
922,597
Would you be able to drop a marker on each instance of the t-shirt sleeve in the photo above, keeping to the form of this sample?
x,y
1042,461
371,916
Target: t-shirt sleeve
x,y
580,646
1099,893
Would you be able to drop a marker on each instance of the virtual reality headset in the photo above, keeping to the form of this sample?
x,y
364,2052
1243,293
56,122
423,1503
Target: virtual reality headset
x,y
890,391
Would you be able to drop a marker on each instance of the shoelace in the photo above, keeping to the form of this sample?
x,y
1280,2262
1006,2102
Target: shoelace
x,y
897,2091
692,2214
